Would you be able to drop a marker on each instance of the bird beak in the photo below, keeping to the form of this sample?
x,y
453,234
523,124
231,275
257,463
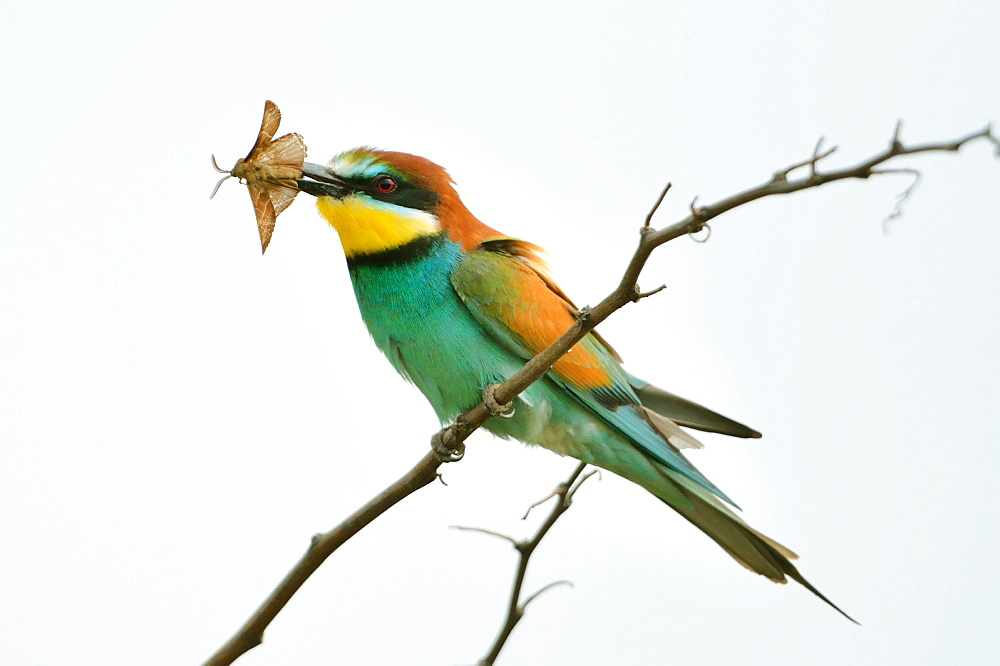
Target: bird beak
x,y
319,181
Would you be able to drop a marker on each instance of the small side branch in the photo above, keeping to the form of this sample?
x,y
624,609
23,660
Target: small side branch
x,y
782,176
656,206
902,197
563,495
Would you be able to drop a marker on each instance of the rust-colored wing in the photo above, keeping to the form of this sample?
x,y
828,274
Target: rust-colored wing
x,y
268,126
269,171
263,209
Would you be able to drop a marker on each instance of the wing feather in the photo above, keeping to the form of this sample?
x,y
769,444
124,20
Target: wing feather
x,y
519,305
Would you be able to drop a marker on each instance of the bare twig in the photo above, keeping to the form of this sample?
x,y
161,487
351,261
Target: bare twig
x,y
543,590
555,491
810,162
639,295
453,437
515,608
902,197
491,532
656,206
817,157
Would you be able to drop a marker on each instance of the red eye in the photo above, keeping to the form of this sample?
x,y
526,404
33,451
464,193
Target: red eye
x,y
385,184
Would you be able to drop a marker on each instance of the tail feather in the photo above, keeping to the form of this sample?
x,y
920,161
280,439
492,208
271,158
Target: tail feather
x,y
686,413
704,510
746,545
692,496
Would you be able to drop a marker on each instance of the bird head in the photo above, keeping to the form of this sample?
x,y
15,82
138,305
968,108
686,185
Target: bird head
x,y
380,200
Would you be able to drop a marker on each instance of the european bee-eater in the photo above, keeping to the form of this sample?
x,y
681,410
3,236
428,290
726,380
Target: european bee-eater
x,y
456,306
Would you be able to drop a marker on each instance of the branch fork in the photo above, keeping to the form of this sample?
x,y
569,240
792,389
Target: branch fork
x,y
563,494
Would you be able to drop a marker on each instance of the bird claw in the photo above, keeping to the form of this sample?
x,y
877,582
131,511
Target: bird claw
x,y
444,452
505,411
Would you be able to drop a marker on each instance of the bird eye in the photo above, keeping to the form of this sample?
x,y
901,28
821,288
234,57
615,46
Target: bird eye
x,y
385,184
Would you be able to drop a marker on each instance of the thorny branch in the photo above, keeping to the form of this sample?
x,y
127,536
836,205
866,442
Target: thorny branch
x,y
453,437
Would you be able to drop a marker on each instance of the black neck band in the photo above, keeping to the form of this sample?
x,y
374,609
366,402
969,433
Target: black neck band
x,y
413,251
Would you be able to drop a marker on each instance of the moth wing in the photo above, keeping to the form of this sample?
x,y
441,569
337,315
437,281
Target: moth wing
x,y
288,150
263,208
268,126
281,197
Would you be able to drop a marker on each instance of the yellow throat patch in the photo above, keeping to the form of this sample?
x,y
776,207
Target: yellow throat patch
x,y
367,226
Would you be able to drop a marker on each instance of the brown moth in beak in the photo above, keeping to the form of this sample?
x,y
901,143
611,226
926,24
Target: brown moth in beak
x,y
269,171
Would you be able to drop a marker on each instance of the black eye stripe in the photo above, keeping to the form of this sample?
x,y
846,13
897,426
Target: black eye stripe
x,y
411,197
404,194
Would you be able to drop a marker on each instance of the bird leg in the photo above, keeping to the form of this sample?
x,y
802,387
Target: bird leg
x,y
495,408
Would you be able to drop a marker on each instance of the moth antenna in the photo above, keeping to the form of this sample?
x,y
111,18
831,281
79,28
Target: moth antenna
x,y
221,181
216,165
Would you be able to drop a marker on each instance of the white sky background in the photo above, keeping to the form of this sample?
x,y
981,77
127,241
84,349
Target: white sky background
x,y
179,415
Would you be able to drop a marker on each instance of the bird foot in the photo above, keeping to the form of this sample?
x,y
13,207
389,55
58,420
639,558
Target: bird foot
x,y
444,452
493,407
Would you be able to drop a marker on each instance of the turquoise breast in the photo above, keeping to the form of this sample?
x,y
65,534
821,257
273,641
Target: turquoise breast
x,y
422,326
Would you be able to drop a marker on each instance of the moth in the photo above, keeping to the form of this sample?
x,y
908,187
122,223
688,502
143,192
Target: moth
x,y
269,171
